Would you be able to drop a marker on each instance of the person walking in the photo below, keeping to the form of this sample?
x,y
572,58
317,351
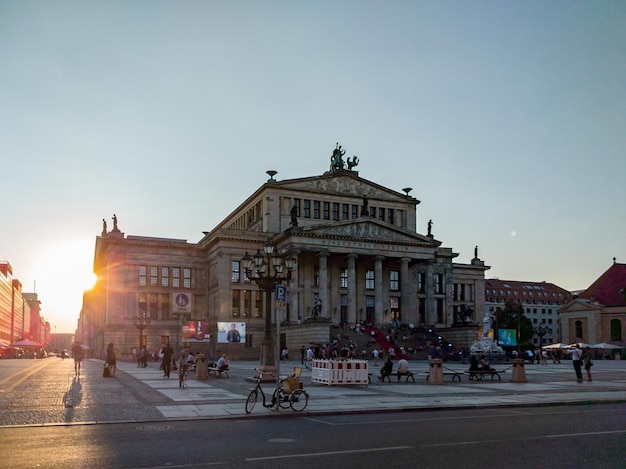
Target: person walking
x,y
588,363
111,360
168,352
77,354
577,354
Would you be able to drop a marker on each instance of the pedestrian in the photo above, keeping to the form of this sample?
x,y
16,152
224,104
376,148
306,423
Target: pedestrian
x,y
111,360
577,354
77,353
588,363
168,352
375,354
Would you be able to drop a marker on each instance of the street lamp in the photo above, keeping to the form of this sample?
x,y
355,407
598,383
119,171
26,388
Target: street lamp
x,y
541,331
141,323
267,270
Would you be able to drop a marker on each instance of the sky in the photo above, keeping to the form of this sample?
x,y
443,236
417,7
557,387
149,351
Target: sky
x,y
506,118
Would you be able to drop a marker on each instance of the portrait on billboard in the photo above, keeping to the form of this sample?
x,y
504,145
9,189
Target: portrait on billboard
x,y
231,332
507,337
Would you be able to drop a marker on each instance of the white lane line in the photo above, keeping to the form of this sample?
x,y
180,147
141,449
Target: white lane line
x,y
328,453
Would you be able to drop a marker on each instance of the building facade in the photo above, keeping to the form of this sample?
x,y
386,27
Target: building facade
x,y
541,302
358,255
14,307
598,315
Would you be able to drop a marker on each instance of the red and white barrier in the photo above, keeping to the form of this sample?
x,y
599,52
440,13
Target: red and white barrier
x,y
339,372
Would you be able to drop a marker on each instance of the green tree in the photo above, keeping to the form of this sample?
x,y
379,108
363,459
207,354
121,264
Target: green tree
x,y
506,318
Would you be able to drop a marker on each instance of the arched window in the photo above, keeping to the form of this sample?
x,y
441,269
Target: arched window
x,y
579,330
616,330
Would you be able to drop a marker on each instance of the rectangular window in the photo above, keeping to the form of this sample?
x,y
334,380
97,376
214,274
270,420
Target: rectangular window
x,y
390,215
165,306
438,283
345,211
154,306
335,211
165,276
316,209
143,305
186,278
439,310
246,303
296,202
421,282
307,208
235,303
394,280
154,276
234,275
142,276
355,211
176,277
326,210
343,278
381,213
369,279
373,212
316,275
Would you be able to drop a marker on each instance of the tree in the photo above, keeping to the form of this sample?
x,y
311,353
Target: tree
x,y
506,318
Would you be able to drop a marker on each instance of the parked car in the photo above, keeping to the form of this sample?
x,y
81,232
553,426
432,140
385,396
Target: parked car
x,y
51,354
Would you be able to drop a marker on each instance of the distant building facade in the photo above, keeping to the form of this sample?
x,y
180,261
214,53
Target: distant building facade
x,y
14,307
598,315
541,302
358,255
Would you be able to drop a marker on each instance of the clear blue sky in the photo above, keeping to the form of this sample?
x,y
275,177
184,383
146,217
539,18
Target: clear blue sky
x,y
506,118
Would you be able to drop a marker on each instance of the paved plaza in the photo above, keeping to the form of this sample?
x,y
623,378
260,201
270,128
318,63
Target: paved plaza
x,y
47,392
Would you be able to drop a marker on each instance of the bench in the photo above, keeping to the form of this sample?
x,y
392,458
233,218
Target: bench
x,y
455,375
480,374
407,376
213,370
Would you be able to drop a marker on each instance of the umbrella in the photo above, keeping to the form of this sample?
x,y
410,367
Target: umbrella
x,y
580,344
554,346
25,343
605,346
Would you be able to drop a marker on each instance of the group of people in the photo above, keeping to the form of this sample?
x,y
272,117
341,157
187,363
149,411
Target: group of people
x,y
580,358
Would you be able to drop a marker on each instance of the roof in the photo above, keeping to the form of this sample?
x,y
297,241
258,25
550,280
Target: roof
x,y
610,288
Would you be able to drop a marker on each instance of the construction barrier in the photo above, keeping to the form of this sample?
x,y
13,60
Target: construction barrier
x,y
339,372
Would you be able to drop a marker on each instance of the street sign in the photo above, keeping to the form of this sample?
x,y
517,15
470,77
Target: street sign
x,y
281,293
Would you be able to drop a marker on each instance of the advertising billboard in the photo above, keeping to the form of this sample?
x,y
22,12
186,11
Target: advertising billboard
x,y
231,332
196,331
507,337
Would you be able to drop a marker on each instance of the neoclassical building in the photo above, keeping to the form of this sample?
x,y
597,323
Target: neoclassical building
x,y
357,253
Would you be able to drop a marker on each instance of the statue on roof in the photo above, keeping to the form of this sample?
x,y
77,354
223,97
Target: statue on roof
x,y
430,227
104,227
115,228
352,163
336,160
294,215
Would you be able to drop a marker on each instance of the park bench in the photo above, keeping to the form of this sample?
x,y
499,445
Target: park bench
x,y
408,376
456,375
478,375
215,371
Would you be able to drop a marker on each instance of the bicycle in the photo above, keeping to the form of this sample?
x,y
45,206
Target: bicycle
x,y
182,375
297,399
308,363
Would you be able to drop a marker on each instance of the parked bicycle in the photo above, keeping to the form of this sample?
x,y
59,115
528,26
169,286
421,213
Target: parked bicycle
x,y
182,375
287,394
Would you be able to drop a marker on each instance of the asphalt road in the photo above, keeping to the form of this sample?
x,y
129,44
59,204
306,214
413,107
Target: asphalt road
x,y
589,436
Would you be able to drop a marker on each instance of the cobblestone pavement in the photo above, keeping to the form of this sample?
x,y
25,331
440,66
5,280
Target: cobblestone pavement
x,y
47,392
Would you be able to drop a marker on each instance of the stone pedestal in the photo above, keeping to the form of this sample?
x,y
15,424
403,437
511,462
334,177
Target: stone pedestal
x,y
435,372
519,372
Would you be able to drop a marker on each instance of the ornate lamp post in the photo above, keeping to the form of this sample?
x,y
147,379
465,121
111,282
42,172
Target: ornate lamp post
x,y
541,331
141,323
267,270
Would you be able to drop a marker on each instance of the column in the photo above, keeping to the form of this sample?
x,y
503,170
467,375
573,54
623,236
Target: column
x,y
293,291
405,293
378,289
323,260
352,293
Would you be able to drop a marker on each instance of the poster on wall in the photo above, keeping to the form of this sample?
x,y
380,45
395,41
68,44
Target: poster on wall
x,y
507,337
231,332
196,331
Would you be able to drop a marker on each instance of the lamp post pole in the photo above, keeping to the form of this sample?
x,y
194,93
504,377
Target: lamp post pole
x,y
267,270
141,323
541,331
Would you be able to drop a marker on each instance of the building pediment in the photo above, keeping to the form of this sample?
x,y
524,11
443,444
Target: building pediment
x,y
342,183
371,230
578,306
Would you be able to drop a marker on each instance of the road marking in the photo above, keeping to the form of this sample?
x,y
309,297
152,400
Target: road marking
x,y
328,453
18,378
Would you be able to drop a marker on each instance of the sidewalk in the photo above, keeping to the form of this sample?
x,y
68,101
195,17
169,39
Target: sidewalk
x,y
225,397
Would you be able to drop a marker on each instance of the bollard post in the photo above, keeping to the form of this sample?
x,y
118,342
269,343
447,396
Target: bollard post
x,y
202,368
519,372
435,373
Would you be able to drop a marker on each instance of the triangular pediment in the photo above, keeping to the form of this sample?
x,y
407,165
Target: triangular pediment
x,y
367,229
579,305
342,183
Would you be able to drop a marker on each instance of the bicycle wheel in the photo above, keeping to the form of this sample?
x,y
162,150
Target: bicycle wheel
x,y
283,399
181,379
251,401
298,400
